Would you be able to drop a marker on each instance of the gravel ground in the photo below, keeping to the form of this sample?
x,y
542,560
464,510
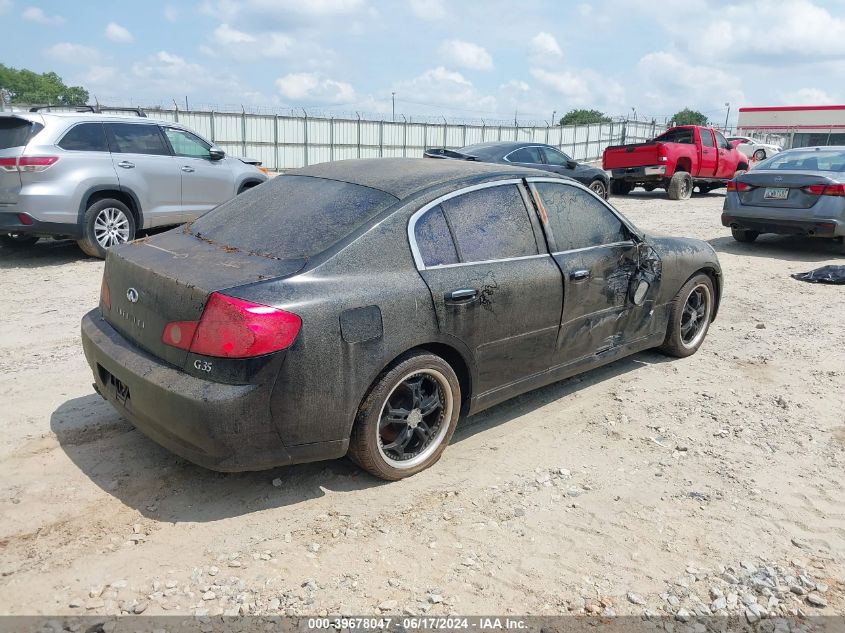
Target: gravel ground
x,y
650,487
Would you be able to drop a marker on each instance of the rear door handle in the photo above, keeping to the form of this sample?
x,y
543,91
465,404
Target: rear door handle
x,y
187,168
461,295
126,164
579,275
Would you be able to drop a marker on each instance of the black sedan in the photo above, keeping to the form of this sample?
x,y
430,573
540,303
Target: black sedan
x,y
533,155
359,307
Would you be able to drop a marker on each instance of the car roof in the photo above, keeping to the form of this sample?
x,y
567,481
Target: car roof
x,y
44,116
403,177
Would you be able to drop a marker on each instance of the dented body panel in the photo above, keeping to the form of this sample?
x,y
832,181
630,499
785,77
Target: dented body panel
x,y
365,300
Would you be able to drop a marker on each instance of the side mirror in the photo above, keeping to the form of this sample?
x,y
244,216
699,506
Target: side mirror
x,y
571,164
639,292
215,153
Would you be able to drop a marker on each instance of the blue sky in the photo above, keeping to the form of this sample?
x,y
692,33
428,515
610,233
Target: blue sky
x,y
462,59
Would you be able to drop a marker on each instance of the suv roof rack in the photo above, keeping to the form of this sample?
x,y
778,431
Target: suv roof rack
x,y
97,109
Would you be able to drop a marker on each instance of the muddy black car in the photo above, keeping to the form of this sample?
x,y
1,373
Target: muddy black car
x,y
360,307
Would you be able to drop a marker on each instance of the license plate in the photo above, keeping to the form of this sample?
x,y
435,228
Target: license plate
x,y
776,193
121,391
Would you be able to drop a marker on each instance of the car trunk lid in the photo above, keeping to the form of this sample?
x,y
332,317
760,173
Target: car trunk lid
x,y
169,277
15,133
635,155
780,189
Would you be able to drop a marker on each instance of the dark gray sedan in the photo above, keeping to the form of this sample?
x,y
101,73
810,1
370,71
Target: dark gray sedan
x,y
533,155
796,192
360,307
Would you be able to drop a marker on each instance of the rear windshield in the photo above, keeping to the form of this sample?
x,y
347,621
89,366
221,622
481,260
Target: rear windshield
x,y
808,160
292,217
16,132
678,135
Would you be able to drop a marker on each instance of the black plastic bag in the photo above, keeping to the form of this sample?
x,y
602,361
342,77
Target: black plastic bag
x,y
823,275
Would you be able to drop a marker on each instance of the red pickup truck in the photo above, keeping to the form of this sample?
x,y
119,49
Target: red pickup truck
x,y
679,159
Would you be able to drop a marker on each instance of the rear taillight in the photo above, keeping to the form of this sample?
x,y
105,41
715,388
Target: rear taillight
x,y
825,190
105,293
740,187
25,219
234,328
27,163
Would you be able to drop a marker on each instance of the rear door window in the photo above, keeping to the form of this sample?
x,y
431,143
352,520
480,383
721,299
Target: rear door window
x,y
490,224
15,132
526,155
85,137
292,217
707,138
578,219
136,138
434,241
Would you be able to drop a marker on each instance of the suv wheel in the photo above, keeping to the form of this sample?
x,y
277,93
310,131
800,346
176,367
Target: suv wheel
x,y
17,240
680,186
106,223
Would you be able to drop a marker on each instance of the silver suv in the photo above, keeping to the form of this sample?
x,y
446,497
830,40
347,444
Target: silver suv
x,y
99,179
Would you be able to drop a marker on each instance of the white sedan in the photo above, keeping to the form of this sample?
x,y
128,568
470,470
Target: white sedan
x,y
753,148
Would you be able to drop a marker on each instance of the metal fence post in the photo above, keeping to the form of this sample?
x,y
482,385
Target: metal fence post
x,y
243,130
587,145
359,134
500,133
276,140
404,136
381,138
574,140
211,124
305,136
331,138
425,137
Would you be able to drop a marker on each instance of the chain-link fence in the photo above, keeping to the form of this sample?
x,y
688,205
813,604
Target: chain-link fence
x,y
286,141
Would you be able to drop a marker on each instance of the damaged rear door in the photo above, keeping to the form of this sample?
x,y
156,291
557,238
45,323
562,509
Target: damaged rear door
x,y
598,258
494,286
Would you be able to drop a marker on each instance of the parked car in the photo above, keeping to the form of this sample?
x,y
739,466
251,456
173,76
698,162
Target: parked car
x,y
534,155
100,178
752,148
361,306
678,160
796,192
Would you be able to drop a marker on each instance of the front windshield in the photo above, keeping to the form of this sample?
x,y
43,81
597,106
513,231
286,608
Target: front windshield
x,y
807,160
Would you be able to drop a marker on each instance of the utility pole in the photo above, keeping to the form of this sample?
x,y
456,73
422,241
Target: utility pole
x,y
554,112
515,113
186,102
728,106
393,102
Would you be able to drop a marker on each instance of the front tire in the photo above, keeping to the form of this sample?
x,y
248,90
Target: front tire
x,y
599,187
680,186
17,240
106,223
408,417
760,154
690,313
744,235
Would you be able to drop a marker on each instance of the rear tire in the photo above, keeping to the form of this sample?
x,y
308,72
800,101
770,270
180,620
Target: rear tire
x,y
689,317
599,187
760,154
106,223
680,186
393,436
17,240
620,187
744,235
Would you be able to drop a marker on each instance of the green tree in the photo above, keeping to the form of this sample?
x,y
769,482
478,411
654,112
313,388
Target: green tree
x,y
25,86
584,117
689,117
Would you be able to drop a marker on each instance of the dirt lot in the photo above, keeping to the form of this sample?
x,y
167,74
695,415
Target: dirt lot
x,y
649,486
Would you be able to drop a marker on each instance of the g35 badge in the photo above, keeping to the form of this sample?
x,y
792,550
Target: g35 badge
x,y
202,365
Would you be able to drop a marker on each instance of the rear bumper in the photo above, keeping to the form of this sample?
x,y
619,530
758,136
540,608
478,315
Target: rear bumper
x,y
640,174
221,427
10,222
810,227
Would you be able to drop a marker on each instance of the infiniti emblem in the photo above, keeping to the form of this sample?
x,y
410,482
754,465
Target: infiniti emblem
x,y
132,295
778,178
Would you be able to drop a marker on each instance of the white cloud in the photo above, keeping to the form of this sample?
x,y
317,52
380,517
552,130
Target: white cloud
x,y
572,86
37,15
73,53
171,13
466,55
808,96
428,9
544,44
230,42
440,87
117,33
301,87
273,12
225,34
5,5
